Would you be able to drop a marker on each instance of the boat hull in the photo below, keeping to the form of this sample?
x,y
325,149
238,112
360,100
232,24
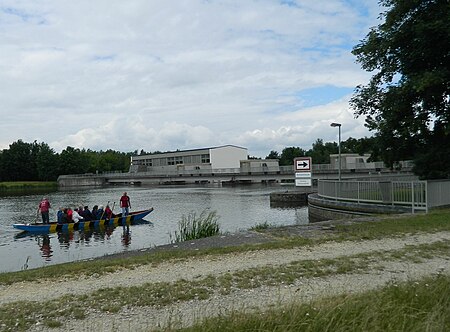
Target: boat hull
x,y
54,227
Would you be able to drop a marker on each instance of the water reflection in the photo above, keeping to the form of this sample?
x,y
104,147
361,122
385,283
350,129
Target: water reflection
x,y
44,245
126,236
76,238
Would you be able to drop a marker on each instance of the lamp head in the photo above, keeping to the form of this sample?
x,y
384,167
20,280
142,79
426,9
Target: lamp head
x,y
334,124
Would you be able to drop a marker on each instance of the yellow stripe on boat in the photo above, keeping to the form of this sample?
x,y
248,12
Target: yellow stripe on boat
x,y
70,226
53,228
116,221
128,220
86,225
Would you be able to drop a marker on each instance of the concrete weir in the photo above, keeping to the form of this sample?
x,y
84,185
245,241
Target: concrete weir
x,y
290,198
80,181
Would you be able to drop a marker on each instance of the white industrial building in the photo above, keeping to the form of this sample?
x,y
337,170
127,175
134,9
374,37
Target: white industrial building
x,y
218,158
351,161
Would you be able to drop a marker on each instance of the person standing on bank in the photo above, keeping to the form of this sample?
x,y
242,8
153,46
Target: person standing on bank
x,y
44,207
125,204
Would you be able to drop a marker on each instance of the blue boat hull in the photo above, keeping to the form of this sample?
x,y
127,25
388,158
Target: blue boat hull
x,y
54,227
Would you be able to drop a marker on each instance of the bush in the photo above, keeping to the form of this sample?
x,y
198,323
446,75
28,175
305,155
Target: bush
x,y
193,227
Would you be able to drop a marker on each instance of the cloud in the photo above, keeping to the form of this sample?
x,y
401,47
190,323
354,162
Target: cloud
x,y
169,75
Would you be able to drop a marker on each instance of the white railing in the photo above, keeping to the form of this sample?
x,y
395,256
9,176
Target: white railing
x,y
402,193
438,193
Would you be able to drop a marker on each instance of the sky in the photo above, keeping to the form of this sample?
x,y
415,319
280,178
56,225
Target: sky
x,y
180,74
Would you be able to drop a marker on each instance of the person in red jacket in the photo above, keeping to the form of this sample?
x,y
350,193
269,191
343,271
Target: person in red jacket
x,y
108,212
44,207
125,204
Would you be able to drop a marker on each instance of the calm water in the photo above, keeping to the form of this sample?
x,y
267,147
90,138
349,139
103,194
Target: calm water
x,y
239,208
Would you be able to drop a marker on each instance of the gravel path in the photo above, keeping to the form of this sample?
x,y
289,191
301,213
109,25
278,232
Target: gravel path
x,y
140,319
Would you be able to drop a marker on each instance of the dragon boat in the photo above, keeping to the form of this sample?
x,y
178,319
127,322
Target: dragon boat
x,y
53,227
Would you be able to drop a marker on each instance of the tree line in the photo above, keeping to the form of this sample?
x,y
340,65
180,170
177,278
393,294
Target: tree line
x,y
320,151
39,162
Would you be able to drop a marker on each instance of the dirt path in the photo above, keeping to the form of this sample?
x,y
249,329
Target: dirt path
x,y
143,319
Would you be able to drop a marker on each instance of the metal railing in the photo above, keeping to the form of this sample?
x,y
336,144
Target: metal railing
x,y
402,193
438,193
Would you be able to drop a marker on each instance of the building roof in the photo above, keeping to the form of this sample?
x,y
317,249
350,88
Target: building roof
x,y
191,150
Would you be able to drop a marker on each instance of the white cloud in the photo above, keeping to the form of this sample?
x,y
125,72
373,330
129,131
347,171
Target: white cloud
x,y
182,74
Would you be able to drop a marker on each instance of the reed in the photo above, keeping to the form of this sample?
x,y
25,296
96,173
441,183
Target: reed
x,y
260,226
195,226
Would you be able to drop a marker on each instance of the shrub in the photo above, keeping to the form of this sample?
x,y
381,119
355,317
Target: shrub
x,y
193,227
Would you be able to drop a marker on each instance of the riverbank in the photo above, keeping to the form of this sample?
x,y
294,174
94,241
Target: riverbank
x,y
250,272
22,185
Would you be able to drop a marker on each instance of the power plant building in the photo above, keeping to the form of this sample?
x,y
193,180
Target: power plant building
x,y
196,160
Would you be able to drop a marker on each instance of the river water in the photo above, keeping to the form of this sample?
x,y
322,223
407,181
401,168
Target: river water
x,y
238,208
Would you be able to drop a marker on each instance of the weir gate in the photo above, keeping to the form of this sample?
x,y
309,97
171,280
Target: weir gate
x,y
281,174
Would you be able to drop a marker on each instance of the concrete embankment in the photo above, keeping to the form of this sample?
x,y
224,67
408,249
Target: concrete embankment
x,y
320,209
80,181
290,197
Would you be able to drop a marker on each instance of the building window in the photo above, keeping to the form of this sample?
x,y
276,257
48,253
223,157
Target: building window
x,y
178,160
205,159
170,161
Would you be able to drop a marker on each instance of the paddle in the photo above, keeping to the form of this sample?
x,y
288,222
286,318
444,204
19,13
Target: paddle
x,y
112,210
104,211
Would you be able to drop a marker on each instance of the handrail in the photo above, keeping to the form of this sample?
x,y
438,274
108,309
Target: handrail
x,y
399,193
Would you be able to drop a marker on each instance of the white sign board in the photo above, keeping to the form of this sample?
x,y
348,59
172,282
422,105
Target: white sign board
x,y
303,182
302,175
302,164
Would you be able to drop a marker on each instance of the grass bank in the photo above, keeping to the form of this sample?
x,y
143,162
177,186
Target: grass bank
x,y
21,185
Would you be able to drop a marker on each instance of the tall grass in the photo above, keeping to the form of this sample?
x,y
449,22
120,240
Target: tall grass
x,y
411,306
195,226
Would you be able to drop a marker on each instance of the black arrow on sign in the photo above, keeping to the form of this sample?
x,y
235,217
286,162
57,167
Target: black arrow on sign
x,y
304,164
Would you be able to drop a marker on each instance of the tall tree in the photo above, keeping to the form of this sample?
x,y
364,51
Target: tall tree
x,y
19,162
73,161
320,152
407,101
273,155
288,155
47,163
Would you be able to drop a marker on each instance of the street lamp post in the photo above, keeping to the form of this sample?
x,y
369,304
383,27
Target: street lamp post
x,y
334,124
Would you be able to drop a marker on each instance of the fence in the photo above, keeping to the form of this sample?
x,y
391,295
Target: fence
x,y
403,193
438,193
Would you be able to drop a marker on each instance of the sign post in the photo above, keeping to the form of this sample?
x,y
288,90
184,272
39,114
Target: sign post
x,y
303,171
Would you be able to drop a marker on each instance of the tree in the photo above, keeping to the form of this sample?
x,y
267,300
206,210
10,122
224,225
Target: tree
x,y
407,101
73,161
288,155
19,162
47,163
320,153
362,146
273,155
